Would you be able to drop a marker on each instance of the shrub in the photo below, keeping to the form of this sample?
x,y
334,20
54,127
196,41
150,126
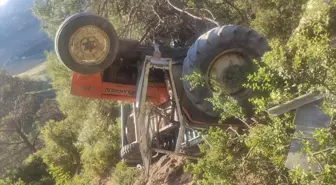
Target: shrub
x,y
306,63
32,172
124,175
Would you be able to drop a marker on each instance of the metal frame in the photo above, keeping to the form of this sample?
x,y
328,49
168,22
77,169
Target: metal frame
x,y
308,117
296,103
142,114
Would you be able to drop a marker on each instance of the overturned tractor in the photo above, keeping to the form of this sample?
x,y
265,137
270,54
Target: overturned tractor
x,y
161,111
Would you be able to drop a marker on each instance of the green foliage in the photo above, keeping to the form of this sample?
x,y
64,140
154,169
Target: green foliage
x,y
61,81
49,110
32,172
101,152
53,12
323,155
19,104
59,74
254,158
226,105
217,149
9,182
124,175
220,99
276,18
195,79
60,151
272,18
271,141
85,145
304,64
83,152
298,64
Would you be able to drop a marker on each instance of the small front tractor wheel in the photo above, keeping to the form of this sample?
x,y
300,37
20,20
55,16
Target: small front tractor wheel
x,y
86,43
223,55
130,153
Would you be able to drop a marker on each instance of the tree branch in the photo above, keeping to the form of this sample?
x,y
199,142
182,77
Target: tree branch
x,y
145,35
8,143
160,20
243,15
7,130
246,124
132,12
25,140
233,130
13,154
191,15
211,14
325,150
34,140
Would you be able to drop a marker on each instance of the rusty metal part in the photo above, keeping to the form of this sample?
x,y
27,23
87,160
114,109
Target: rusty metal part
x,y
219,70
143,114
89,45
136,128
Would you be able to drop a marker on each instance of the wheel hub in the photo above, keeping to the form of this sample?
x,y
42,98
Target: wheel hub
x,y
89,45
228,70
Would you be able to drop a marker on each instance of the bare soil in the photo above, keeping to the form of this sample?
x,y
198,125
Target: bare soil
x,y
167,171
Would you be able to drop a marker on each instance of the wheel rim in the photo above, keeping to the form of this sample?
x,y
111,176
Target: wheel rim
x,y
89,45
228,71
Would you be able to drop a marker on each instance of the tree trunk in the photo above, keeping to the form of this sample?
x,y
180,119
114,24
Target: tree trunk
x,y
24,138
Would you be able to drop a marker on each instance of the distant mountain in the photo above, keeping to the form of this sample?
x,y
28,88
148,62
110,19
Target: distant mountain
x,y
22,41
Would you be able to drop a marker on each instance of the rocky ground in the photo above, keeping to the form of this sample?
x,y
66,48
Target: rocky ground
x,y
167,171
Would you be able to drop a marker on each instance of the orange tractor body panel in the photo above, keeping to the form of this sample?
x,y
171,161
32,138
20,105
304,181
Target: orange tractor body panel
x,y
92,86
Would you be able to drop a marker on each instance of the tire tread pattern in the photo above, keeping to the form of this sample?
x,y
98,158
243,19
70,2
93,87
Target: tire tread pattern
x,y
208,46
70,24
131,151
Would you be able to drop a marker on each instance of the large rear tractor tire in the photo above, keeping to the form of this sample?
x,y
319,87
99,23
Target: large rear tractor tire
x,y
86,43
226,55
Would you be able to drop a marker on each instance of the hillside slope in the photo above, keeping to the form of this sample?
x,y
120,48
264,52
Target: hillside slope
x,y
22,41
37,73
167,171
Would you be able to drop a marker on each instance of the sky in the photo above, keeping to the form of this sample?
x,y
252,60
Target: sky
x,y
2,2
